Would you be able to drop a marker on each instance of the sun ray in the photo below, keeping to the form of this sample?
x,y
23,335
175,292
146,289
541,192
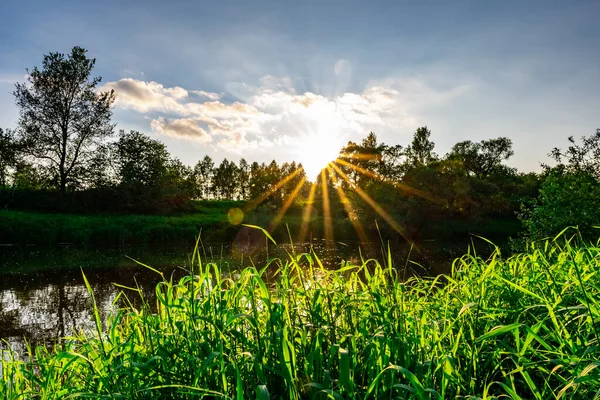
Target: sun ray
x,y
326,210
348,207
287,204
252,204
376,207
401,186
306,213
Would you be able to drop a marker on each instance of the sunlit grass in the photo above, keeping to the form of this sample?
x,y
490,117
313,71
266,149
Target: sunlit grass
x,y
522,327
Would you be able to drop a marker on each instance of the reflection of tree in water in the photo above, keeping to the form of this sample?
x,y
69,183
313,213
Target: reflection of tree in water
x,y
44,313
48,313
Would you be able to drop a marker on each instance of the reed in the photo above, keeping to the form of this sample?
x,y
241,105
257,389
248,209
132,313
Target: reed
x,y
522,327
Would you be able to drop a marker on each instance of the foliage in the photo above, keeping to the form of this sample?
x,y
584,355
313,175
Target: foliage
x,y
565,199
63,119
570,192
148,178
8,155
584,157
225,180
484,158
421,190
420,151
203,175
98,231
522,327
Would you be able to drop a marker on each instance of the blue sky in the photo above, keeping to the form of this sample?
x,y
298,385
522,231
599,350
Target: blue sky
x,y
283,80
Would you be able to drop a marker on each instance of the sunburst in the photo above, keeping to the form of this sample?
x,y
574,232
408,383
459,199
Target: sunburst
x,y
323,171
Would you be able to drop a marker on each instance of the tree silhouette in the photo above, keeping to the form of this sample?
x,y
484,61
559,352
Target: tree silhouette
x,y
420,151
483,158
8,155
62,117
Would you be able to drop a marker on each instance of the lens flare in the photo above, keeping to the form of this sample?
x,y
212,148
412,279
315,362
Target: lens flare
x,y
235,216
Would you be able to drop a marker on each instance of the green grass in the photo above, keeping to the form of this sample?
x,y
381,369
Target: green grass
x,y
46,230
117,231
522,327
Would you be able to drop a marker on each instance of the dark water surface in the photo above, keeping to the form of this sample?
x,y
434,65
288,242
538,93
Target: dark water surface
x,y
43,297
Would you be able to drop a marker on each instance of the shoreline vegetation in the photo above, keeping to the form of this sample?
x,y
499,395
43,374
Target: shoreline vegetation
x,y
48,230
522,326
32,237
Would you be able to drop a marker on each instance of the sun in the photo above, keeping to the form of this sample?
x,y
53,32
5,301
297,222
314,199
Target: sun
x,y
315,151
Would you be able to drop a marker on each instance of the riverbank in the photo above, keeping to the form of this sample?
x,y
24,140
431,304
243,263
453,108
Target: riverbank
x,y
216,223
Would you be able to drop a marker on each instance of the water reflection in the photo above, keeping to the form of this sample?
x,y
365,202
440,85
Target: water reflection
x,y
46,307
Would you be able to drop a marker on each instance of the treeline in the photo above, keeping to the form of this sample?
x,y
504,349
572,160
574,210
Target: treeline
x,y
137,173
64,156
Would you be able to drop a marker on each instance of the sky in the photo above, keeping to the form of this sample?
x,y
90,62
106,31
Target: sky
x,y
288,80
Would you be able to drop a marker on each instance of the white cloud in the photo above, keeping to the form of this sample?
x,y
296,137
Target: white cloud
x,y
183,128
275,113
208,95
146,96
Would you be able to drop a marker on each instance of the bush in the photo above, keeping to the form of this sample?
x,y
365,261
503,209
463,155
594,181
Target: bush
x,y
567,198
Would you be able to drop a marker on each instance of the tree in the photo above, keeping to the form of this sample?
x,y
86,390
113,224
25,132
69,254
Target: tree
x,y
243,178
369,155
62,117
484,158
570,193
581,158
420,151
203,174
149,179
225,181
8,155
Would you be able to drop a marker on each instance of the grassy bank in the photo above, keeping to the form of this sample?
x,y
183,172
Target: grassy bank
x,y
522,327
114,231
47,230
110,230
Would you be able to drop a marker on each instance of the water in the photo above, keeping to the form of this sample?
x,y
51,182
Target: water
x,y
43,296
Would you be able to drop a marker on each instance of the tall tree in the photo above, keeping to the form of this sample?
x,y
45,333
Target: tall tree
x,y
420,151
244,179
62,117
141,167
369,155
203,174
225,180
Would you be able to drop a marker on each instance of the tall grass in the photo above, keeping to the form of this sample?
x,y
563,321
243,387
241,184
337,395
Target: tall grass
x,y
522,327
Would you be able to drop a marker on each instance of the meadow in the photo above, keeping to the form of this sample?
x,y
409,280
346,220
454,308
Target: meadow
x,y
47,230
523,326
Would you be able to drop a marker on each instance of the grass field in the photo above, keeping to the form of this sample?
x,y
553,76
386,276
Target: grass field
x,y
47,230
526,326
117,231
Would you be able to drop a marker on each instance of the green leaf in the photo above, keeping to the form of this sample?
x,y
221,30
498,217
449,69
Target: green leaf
x,y
498,330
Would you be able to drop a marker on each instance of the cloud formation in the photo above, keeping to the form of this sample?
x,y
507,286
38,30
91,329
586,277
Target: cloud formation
x,y
208,95
273,113
186,128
